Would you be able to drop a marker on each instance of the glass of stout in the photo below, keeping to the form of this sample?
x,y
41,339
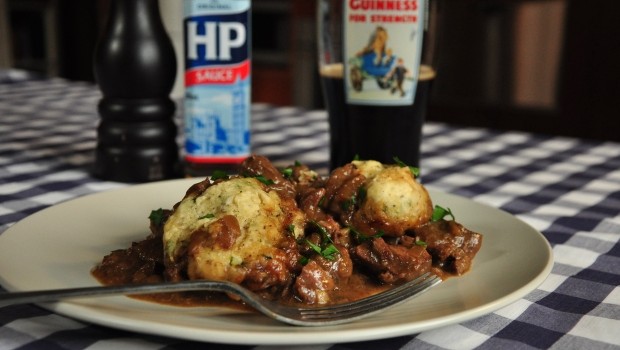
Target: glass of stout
x,y
376,67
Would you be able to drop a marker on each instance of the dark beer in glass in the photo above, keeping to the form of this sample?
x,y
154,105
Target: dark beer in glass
x,y
376,69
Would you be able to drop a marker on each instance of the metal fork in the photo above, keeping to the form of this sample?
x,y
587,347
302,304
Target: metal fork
x,y
300,316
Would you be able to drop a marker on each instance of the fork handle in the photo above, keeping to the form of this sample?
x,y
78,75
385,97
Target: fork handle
x,y
41,296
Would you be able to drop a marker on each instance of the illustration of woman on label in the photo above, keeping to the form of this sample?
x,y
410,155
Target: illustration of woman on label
x,y
377,49
375,60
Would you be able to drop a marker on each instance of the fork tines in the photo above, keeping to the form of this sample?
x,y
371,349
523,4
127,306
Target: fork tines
x,y
377,302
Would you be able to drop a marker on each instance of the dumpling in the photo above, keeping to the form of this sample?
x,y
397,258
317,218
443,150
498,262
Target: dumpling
x,y
394,202
234,230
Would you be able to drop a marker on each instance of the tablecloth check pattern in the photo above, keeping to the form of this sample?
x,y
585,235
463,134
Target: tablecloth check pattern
x,y
568,189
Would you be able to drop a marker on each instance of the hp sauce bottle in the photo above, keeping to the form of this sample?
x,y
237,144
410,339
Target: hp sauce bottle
x,y
217,85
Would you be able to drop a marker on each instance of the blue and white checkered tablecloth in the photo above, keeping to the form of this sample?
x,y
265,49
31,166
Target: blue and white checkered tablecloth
x,y
569,189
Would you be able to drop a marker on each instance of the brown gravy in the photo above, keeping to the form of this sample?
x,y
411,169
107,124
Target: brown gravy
x,y
143,263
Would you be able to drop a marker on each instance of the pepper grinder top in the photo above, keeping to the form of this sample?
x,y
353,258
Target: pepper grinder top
x,y
135,68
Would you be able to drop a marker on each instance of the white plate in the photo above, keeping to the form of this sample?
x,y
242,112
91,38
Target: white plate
x,y
57,247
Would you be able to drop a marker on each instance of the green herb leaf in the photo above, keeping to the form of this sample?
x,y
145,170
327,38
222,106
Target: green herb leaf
x,y
314,247
207,216
415,171
327,249
420,243
321,201
322,231
157,217
330,252
264,180
219,175
360,237
287,172
440,213
297,163
303,260
349,203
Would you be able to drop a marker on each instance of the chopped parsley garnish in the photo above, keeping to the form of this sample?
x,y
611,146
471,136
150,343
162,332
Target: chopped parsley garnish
x,y
440,213
349,203
157,216
207,216
327,249
303,260
360,237
264,180
291,228
259,177
357,198
287,172
361,193
297,163
322,231
420,243
219,175
415,171
329,252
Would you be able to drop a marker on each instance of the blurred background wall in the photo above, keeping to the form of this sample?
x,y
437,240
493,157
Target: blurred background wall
x,y
550,66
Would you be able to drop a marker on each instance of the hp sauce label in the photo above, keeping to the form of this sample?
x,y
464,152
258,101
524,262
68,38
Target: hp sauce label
x,y
217,80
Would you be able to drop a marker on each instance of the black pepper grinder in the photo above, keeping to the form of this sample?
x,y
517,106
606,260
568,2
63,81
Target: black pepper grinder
x,y
135,67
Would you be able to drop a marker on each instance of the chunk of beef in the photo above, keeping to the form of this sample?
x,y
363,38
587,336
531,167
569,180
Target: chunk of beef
x,y
256,165
313,284
320,276
303,177
310,203
392,263
140,263
290,249
342,191
452,246
340,266
221,233
269,276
